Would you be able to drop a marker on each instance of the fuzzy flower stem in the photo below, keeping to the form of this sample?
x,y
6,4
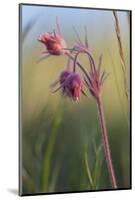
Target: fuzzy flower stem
x,y
75,60
92,63
79,64
105,141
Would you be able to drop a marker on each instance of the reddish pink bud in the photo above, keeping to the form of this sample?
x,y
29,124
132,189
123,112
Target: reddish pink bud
x,y
53,42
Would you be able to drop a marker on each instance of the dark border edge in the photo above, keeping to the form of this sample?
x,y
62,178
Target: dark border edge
x,y
20,193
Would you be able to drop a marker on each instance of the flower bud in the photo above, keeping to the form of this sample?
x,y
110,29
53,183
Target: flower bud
x,y
54,43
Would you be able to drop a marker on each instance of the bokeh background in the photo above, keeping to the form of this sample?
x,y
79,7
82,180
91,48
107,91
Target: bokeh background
x,y
61,144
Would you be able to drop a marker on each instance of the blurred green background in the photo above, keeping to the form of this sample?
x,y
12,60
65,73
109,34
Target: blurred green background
x,y
62,148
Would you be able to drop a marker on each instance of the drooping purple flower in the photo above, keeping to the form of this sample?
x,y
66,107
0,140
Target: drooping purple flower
x,y
70,84
63,76
73,86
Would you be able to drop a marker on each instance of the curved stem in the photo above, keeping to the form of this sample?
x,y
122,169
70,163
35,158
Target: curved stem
x,y
75,60
105,141
79,64
92,63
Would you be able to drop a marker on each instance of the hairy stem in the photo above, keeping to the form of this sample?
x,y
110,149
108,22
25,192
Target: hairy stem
x,y
79,64
106,144
75,60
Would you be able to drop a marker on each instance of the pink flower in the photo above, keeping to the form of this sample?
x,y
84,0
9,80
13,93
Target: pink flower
x,y
55,45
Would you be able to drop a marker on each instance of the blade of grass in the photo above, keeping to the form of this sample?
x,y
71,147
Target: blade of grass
x,y
88,170
29,27
48,155
121,52
96,171
54,178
